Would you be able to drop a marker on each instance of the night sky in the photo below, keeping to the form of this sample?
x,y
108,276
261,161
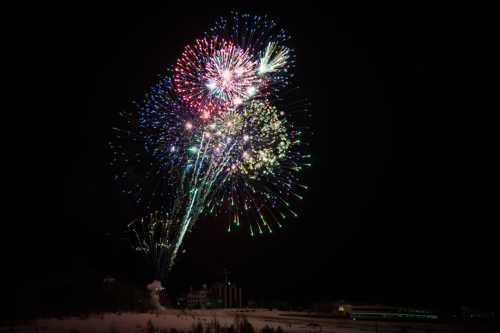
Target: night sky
x,y
396,212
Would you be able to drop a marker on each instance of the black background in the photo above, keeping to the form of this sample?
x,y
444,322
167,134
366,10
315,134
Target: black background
x,y
398,207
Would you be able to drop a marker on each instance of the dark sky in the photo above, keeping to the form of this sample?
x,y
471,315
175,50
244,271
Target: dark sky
x,y
395,212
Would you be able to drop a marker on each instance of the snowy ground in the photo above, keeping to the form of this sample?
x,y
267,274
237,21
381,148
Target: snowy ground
x,y
184,320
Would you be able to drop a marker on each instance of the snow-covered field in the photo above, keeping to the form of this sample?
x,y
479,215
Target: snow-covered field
x,y
184,320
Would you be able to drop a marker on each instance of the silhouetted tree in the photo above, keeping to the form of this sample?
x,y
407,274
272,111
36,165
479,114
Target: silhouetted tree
x,y
198,328
150,327
245,326
266,329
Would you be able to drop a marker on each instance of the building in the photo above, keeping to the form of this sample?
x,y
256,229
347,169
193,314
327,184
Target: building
x,y
220,295
470,313
229,295
383,312
198,298
373,311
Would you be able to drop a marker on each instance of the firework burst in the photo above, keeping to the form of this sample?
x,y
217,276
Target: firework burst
x,y
209,139
267,41
260,178
153,237
214,74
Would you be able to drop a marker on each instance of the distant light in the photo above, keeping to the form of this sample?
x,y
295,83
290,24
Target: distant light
x,y
246,137
237,101
189,125
172,149
193,149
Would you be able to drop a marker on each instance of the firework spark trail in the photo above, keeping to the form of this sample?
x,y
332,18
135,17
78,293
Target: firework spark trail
x,y
152,236
213,141
274,58
204,187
